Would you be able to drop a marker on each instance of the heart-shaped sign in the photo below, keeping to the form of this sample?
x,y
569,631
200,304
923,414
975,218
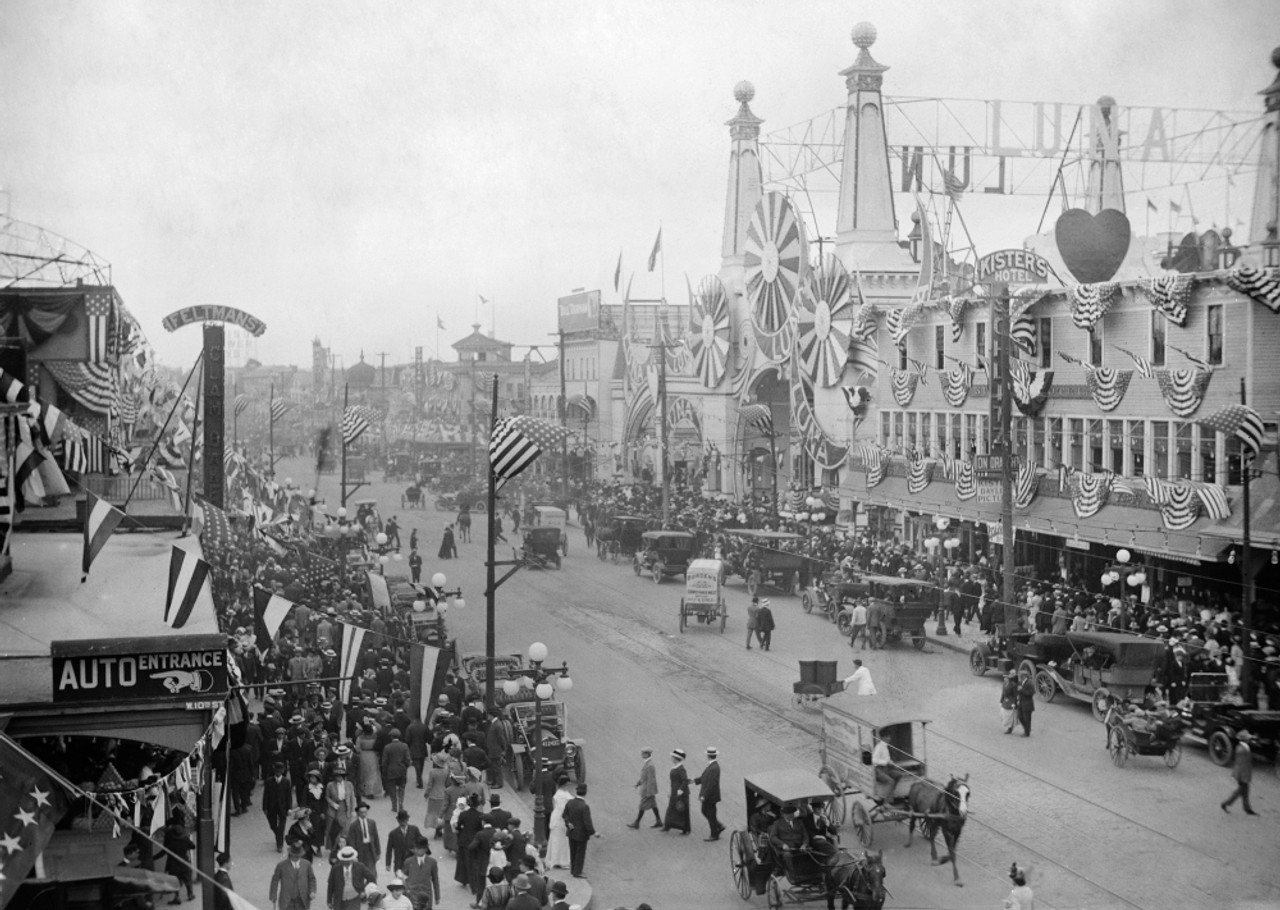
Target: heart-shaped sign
x,y
1092,246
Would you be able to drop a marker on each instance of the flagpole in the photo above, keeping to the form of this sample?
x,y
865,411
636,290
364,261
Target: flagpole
x,y
271,430
1248,690
177,401
346,392
191,464
662,255
491,585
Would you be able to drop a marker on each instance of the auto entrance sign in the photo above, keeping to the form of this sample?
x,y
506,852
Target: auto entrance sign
x,y
169,669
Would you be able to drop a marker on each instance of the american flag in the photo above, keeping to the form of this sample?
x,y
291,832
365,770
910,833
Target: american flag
x,y
355,420
1142,364
1240,421
97,311
215,534
319,572
278,408
759,417
91,384
31,805
242,402
11,387
188,578
517,441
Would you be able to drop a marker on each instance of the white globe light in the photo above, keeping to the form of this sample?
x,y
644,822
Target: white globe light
x,y
342,511
801,516
817,517
931,543
1122,556
442,607
383,560
510,687
460,603
1140,578
395,557
380,539
742,518
564,683
1133,581
544,690
419,606
1105,579
438,580
537,652
311,494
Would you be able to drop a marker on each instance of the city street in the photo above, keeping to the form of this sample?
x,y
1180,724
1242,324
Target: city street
x,y
1094,835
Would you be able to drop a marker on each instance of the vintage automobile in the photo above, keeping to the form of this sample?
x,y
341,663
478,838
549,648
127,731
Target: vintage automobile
x,y
367,515
703,600
545,516
541,547
557,747
1215,719
907,603
763,558
664,553
399,467
619,536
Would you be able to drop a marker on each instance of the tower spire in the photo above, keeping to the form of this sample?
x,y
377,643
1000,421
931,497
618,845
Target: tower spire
x,y
1264,225
866,197
744,173
1105,188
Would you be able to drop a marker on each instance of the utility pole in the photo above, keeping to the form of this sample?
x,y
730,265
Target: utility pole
x,y
1247,688
1004,342
564,420
662,429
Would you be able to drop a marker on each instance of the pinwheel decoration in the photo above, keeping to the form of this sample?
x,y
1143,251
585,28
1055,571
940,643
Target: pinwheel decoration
x,y
774,261
711,330
825,298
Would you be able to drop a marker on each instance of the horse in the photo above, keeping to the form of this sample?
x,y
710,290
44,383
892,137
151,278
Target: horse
x,y
942,809
858,880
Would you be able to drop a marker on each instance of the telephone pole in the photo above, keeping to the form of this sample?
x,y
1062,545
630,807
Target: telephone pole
x,y
1004,338
563,413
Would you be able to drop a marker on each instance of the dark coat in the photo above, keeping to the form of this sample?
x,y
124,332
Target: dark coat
x,y
287,884
400,846
577,818
360,876
370,849
277,796
764,620
709,783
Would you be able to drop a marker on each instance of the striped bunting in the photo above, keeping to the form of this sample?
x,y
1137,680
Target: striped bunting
x,y
1123,486
1183,390
901,320
1030,387
517,441
955,307
1022,329
101,518
1090,302
873,460
1025,484
269,613
1106,386
1214,498
956,384
1089,493
355,420
349,660
903,384
241,405
11,387
1180,508
1239,421
966,484
759,417
919,474
1169,296
91,384
278,408
1157,489
188,579
1259,285
1142,364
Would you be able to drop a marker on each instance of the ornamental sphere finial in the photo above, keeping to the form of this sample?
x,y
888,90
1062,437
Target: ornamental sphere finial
x,y
864,35
743,92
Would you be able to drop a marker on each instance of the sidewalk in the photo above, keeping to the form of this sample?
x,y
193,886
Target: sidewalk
x,y
970,635
580,895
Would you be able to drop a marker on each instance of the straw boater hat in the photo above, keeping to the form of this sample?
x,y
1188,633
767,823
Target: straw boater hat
x,y
678,753
348,854
711,752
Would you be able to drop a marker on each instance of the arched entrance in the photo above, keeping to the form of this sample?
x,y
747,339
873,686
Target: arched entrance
x,y
763,445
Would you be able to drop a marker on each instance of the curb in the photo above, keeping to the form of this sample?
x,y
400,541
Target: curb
x,y
960,648
580,893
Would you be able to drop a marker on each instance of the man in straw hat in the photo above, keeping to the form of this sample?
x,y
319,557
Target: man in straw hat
x,y
347,881
1242,772
709,792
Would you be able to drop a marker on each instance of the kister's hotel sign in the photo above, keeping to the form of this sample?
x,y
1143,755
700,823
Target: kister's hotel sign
x,y
1012,267
174,668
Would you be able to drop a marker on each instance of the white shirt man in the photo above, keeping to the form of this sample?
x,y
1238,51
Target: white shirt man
x,y
859,682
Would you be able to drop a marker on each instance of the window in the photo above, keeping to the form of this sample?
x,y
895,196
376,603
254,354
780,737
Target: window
x,y
1182,444
902,356
1093,430
1160,447
970,435
1044,340
1158,325
1095,345
886,429
1213,326
981,344
1115,444
1138,445
939,347
1075,441
926,432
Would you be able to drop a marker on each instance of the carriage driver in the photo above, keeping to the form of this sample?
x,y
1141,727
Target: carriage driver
x,y
787,834
887,773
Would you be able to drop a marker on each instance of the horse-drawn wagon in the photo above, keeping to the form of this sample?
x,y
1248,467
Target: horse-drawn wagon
x,y
765,558
619,536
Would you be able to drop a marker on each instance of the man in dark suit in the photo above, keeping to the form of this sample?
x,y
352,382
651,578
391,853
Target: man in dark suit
x,y
422,876
293,883
347,879
498,816
577,818
517,847
400,842
709,792
363,835
277,800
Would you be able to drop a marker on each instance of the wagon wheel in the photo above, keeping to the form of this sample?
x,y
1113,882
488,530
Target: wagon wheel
x,y
844,622
753,582
774,893
635,565
811,697
740,861
1173,755
683,620
1100,702
1119,747
862,827
724,617
978,660
580,765
917,641
1046,688
807,602
879,637
517,770
1221,748
1029,665
656,571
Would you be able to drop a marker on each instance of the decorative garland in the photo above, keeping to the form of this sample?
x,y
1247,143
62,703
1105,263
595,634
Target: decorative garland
x,y
1089,302
1214,498
1089,493
1183,390
966,485
956,384
1107,386
919,474
1180,509
1169,295
1030,388
875,468
903,384
1260,285
1025,484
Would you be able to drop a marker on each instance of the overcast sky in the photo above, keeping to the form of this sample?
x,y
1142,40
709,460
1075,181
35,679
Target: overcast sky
x,y
354,170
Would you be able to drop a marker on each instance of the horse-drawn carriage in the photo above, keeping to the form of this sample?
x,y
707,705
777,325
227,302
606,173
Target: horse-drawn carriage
x,y
703,601
818,869
868,791
763,558
1134,731
664,553
620,536
412,497
400,466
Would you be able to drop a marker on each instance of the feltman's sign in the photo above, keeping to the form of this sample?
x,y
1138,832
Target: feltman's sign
x,y
210,313
1012,267
173,668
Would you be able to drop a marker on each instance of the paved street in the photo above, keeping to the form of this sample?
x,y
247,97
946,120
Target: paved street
x,y
1095,836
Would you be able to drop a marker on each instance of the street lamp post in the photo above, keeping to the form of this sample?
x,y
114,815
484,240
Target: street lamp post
x,y
1128,575
540,680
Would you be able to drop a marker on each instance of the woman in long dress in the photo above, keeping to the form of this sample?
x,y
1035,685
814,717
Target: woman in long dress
x,y
677,816
557,833
370,773
448,548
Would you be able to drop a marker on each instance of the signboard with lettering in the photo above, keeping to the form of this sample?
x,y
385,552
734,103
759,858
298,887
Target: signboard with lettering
x,y
170,669
208,312
988,491
1012,267
579,312
989,465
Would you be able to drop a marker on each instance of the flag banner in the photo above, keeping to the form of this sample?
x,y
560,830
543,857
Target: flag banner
x,y
269,613
901,320
965,481
759,417
97,311
1214,498
1259,285
1183,390
1180,507
1025,484
1151,206
278,408
188,579
657,248
100,520
1195,361
428,668
1030,387
903,385
31,804
241,404
440,324
1090,302
215,533
1240,421
352,639
1169,296
956,384
517,441
355,420
865,322
11,387
919,474
1142,364
955,308
1174,207
94,385
379,592
1089,492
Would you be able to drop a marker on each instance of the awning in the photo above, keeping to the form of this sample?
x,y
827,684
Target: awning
x,y
583,405
1264,511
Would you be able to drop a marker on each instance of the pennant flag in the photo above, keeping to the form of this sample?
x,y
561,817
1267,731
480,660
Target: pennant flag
x,y
215,533
11,387
1193,358
1240,421
759,417
657,248
278,408
355,420
188,577
241,404
1174,207
440,323
379,592
31,804
97,311
101,519
617,274
352,639
517,441
428,668
269,613
1142,364
1151,206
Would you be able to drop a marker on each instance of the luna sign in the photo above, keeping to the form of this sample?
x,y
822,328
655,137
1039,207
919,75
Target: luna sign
x,y
1012,267
168,669
207,312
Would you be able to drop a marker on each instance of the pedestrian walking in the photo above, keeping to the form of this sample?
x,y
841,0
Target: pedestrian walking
x,y
709,792
222,876
1242,773
1026,700
753,619
1009,701
293,883
858,622
415,564
347,881
1021,897
400,843
678,801
648,786
765,626
363,836
178,846
396,762
464,525
859,682
497,528
413,539
577,819
422,876
448,548
277,800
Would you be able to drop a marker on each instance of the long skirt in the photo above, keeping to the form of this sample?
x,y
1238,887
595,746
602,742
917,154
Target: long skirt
x,y
434,808
677,812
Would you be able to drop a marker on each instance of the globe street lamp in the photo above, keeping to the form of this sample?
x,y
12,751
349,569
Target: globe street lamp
x,y
1131,575
544,681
